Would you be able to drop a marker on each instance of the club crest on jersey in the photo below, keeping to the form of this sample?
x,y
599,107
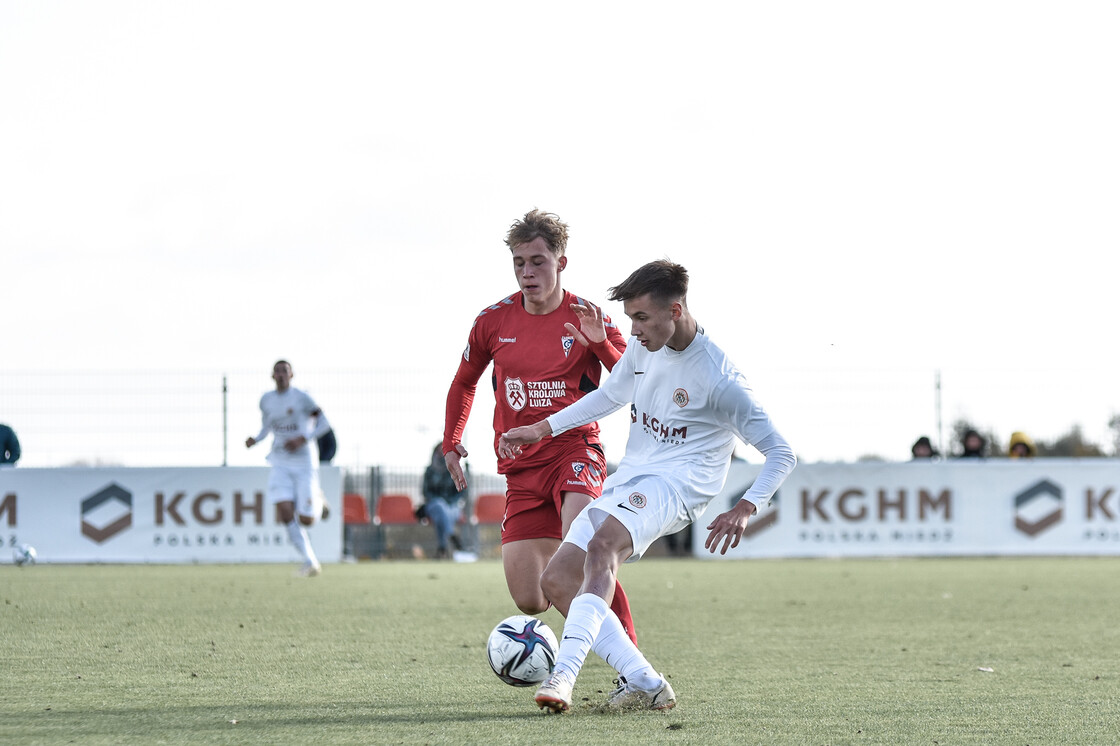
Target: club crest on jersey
x,y
566,343
680,397
637,499
577,467
515,394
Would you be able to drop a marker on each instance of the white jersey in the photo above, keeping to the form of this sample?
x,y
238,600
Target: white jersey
x,y
686,410
288,415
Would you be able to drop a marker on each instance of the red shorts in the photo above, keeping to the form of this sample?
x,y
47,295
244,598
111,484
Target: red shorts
x,y
533,496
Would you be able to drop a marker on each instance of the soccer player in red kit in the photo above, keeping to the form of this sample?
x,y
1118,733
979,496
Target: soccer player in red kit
x,y
548,347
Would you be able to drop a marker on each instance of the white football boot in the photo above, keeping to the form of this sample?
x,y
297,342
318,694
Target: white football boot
x,y
555,693
629,697
309,570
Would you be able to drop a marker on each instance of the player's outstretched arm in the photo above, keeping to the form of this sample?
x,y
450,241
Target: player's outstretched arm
x,y
509,445
729,527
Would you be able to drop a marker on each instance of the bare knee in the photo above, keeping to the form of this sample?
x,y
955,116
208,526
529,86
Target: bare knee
x,y
286,512
554,583
306,520
531,604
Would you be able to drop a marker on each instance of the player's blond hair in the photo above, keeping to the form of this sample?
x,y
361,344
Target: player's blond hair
x,y
538,224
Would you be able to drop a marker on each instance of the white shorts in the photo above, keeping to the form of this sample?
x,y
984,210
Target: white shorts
x,y
648,508
296,484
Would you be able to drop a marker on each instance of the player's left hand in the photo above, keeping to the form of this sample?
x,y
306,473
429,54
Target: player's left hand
x,y
729,527
592,329
294,444
509,445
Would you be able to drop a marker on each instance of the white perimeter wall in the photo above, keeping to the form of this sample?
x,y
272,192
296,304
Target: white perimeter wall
x,y
997,507
167,515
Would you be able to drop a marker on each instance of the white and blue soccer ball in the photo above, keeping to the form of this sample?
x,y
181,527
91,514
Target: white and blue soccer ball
x,y
24,554
522,650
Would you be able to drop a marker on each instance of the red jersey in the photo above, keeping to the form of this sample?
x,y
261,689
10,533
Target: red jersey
x,y
539,368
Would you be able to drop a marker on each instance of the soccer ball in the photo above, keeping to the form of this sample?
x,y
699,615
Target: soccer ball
x,y
522,650
24,554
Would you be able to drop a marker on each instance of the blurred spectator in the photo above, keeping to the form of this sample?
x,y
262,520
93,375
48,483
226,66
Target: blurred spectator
x,y
443,502
1021,446
328,446
923,450
9,446
972,445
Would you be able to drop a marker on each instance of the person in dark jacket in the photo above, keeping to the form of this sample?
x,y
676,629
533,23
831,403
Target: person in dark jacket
x,y
9,446
443,502
973,445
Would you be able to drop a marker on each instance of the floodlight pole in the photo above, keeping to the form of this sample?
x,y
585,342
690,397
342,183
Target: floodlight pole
x,y
937,408
225,422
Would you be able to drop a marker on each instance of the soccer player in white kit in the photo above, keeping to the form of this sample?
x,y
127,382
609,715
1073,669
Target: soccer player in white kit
x,y
294,419
688,405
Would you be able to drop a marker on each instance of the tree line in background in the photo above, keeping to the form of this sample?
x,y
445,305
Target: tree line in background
x,y
1072,444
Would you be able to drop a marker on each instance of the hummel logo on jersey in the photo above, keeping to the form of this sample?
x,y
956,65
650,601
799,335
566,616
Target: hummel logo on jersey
x,y
511,340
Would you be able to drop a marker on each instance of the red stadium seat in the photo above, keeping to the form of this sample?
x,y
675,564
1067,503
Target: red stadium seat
x,y
354,509
394,509
490,507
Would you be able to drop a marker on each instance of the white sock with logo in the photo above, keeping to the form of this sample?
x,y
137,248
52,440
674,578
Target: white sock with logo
x,y
585,617
615,647
301,542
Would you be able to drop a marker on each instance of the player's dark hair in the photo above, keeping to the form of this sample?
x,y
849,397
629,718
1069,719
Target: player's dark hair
x,y
662,280
281,362
537,224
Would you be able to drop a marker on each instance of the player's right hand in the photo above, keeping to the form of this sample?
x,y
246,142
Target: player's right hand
x,y
453,460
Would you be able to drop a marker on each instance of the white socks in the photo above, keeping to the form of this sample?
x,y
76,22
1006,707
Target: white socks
x,y
615,647
301,542
591,625
585,617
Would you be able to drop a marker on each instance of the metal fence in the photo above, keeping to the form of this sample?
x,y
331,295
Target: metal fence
x,y
382,418
391,418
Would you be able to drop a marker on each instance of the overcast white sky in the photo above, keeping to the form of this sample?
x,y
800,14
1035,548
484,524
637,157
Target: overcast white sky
x,y
864,192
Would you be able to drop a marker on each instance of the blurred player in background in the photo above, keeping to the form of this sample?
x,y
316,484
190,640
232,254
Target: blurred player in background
x,y
689,403
294,419
548,347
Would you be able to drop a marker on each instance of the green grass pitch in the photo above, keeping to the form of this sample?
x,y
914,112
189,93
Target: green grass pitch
x,y
953,651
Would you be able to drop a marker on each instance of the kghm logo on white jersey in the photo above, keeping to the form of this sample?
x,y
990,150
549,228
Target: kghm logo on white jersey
x,y
566,343
637,499
515,394
680,397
